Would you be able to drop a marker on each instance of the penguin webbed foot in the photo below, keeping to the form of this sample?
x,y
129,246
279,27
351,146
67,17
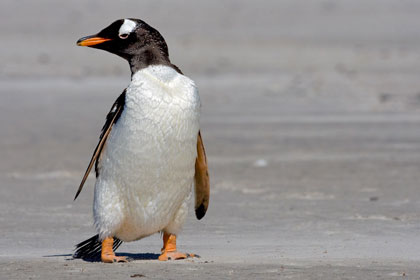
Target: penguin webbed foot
x,y
167,256
107,253
169,251
113,258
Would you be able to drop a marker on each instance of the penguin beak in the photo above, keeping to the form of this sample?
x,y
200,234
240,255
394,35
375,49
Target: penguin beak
x,y
92,40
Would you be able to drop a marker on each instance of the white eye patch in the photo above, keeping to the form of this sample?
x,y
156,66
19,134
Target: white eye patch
x,y
127,27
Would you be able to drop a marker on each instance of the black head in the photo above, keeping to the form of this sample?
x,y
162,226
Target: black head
x,y
133,39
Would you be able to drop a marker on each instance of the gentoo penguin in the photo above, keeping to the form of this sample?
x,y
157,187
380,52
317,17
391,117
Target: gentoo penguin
x,y
150,152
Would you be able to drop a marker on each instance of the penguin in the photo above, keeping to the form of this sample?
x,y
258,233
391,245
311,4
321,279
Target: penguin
x,y
150,153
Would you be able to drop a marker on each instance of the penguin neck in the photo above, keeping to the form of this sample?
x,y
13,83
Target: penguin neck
x,y
150,56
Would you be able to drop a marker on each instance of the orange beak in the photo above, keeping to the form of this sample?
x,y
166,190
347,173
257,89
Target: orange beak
x,y
91,41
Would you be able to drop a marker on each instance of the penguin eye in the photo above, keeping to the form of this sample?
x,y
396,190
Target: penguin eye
x,y
124,35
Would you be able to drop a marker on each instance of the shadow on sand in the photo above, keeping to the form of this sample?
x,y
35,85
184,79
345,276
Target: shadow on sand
x,y
130,257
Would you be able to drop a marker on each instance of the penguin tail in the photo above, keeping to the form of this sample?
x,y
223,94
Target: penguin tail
x,y
90,249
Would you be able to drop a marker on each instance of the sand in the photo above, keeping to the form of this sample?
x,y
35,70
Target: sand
x,y
310,120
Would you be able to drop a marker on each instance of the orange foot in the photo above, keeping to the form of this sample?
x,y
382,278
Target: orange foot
x,y
113,258
107,254
175,256
169,251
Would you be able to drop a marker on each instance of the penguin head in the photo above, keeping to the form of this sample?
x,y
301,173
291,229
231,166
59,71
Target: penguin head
x,y
132,39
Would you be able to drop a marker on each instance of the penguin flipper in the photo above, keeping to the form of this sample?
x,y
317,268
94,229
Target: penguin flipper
x,y
111,119
202,181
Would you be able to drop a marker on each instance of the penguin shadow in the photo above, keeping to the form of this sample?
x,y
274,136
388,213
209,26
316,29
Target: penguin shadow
x,y
97,258
130,257
139,256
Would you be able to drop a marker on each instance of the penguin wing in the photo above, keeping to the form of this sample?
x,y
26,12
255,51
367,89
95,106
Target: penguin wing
x,y
202,182
111,119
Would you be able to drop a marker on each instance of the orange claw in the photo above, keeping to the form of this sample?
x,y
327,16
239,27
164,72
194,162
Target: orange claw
x,y
169,251
107,253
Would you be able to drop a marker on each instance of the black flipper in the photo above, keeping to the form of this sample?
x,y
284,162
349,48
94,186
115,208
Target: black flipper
x,y
90,249
111,119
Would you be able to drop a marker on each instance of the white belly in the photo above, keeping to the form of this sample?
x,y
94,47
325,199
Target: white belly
x,y
147,167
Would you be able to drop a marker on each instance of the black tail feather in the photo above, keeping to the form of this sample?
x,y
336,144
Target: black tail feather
x,y
90,249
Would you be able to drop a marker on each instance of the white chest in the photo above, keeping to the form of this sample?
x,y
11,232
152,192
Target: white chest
x,y
147,167
163,103
160,121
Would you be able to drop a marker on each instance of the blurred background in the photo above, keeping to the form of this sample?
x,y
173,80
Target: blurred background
x,y
310,116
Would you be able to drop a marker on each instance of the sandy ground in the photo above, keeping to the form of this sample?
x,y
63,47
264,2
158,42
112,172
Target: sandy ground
x,y
310,119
